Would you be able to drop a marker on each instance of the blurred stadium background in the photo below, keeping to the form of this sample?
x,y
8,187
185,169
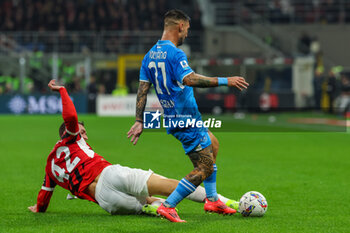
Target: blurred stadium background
x,y
292,52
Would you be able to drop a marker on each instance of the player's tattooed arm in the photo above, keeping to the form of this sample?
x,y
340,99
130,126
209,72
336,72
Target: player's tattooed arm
x,y
136,130
141,99
197,80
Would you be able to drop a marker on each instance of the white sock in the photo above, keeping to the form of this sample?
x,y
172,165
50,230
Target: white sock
x,y
198,195
223,199
158,202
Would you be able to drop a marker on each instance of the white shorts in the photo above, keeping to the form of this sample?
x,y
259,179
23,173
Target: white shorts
x,y
122,190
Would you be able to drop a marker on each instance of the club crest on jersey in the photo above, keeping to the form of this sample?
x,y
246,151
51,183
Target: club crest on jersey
x,y
184,64
151,120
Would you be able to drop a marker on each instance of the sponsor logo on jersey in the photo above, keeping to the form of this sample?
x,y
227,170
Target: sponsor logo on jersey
x,y
184,64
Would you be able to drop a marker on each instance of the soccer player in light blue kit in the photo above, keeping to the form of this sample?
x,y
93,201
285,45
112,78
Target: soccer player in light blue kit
x,y
166,67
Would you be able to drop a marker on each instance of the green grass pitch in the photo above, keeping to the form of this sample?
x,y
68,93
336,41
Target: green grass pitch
x,y
305,177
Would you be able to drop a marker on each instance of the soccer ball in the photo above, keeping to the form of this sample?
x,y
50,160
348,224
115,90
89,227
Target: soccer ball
x,y
252,204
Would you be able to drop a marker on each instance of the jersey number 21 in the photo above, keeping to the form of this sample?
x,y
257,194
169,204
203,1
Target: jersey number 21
x,y
161,66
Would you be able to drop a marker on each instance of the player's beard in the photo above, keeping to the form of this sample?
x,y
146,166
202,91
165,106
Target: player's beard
x,y
181,41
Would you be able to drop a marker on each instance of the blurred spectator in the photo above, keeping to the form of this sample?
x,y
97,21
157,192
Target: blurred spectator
x,y
14,83
92,94
344,98
317,84
97,15
36,64
109,81
68,73
304,44
331,89
28,85
196,23
297,11
10,84
2,83
5,84
104,15
331,11
101,89
77,84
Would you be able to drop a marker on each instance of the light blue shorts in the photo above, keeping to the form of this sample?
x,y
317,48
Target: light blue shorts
x,y
193,139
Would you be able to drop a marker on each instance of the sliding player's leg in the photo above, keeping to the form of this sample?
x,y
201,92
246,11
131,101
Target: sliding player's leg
x,y
160,185
135,185
152,205
122,190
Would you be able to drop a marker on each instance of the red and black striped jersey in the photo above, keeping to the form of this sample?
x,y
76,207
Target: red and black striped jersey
x,y
73,165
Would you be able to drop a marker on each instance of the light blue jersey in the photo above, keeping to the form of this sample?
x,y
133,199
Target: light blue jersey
x,y
165,66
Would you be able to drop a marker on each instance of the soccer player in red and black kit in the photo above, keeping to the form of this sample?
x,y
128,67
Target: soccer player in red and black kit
x,y
73,165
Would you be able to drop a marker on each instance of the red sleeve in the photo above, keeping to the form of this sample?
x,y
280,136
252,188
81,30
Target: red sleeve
x,y
69,113
43,200
45,194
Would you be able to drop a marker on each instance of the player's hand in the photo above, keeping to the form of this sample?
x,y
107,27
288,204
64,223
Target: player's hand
x,y
238,82
52,85
135,131
33,208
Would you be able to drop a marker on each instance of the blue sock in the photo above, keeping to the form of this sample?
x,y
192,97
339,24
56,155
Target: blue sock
x,y
210,186
183,189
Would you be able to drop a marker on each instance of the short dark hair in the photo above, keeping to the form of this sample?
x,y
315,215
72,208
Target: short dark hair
x,y
173,17
63,128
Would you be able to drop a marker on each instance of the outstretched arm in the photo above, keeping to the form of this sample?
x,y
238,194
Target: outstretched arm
x,y
44,195
69,113
197,80
141,101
